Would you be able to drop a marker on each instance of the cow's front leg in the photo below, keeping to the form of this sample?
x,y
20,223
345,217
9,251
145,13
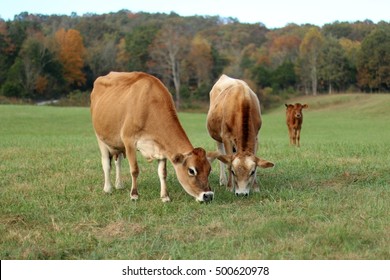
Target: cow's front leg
x,y
222,174
162,174
298,137
229,151
294,138
291,135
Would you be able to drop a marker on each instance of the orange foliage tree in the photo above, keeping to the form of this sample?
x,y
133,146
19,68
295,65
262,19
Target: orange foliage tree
x,y
71,53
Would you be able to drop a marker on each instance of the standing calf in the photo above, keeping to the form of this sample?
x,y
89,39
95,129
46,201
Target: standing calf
x,y
134,111
294,119
234,121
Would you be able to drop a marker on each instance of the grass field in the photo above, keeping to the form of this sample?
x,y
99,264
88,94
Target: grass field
x,y
329,199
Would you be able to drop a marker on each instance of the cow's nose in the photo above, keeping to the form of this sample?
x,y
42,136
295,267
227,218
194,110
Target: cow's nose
x,y
208,196
242,194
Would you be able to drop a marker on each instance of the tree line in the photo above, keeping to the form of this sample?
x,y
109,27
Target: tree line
x,y
51,56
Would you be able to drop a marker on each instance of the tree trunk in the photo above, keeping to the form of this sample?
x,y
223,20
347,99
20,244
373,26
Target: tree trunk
x,y
314,80
176,82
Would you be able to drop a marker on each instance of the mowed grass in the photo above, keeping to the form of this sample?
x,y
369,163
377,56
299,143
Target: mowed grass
x,y
329,199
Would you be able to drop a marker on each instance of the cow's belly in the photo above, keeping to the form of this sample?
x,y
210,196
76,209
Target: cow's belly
x,y
150,149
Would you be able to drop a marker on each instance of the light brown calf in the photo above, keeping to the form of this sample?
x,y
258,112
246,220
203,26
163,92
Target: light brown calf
x,y
294,119
234,121
134,111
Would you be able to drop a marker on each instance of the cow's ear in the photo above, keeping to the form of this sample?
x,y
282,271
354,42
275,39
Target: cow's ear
x,y
226,159
178,158
264,163
305,106
211,156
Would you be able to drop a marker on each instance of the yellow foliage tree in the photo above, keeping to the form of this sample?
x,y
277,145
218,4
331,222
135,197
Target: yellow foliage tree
x,y
71,53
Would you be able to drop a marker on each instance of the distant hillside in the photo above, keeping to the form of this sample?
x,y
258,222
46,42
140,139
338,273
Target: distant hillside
x,y
370,104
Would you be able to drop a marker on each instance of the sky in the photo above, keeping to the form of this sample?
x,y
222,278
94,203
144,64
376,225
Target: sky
x,y
272,13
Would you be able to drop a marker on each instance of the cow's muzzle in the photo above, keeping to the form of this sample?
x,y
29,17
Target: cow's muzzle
x,y
241,192
206,197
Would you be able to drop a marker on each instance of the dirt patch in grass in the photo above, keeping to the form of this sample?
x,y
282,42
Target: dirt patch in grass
x,y
118,230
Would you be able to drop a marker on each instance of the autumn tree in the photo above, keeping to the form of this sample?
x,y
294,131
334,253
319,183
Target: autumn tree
x,y
168,50
122,56
71,53
283,48
309,51
200,60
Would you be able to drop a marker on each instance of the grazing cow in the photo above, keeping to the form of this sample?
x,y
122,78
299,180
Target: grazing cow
x,y
135,111
294,119
233,121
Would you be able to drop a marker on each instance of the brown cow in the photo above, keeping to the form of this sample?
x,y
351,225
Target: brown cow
x,y
135,111
294,119
233,121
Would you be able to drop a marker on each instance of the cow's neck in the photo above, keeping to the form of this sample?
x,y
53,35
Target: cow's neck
x,y
175,140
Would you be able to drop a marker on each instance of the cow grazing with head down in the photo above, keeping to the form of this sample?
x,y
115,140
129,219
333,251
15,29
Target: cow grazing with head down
x,y
294,119
135,111
234,121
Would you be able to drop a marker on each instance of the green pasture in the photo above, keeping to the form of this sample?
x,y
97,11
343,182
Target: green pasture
x,y
329,199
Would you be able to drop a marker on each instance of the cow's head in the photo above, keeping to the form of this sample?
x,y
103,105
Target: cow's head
x,y
192,171
296,109
243,170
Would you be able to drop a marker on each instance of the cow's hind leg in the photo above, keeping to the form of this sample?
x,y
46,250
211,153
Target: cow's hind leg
x,y
255,185
106,165
118,180
162,174
222,174
134,171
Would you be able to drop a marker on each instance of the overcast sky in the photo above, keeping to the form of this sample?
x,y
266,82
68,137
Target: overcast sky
x,y
272,13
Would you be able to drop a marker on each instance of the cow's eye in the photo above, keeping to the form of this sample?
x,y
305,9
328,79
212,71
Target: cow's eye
x,y
252,172
192,171
234,174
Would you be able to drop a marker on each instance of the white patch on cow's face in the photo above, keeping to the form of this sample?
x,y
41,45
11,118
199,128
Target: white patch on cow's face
x,y
244,173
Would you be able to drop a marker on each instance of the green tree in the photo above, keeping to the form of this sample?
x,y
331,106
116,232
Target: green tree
x,y
374,60
137,46
284,76
333,65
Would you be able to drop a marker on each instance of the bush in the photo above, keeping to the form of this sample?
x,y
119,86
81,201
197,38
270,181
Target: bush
x,y
76,98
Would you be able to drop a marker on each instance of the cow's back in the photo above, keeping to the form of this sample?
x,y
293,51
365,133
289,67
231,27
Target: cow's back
x,y
233,107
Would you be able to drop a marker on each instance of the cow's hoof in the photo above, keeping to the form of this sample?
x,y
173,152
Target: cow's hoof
x,y
165,199
119,186
107,190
